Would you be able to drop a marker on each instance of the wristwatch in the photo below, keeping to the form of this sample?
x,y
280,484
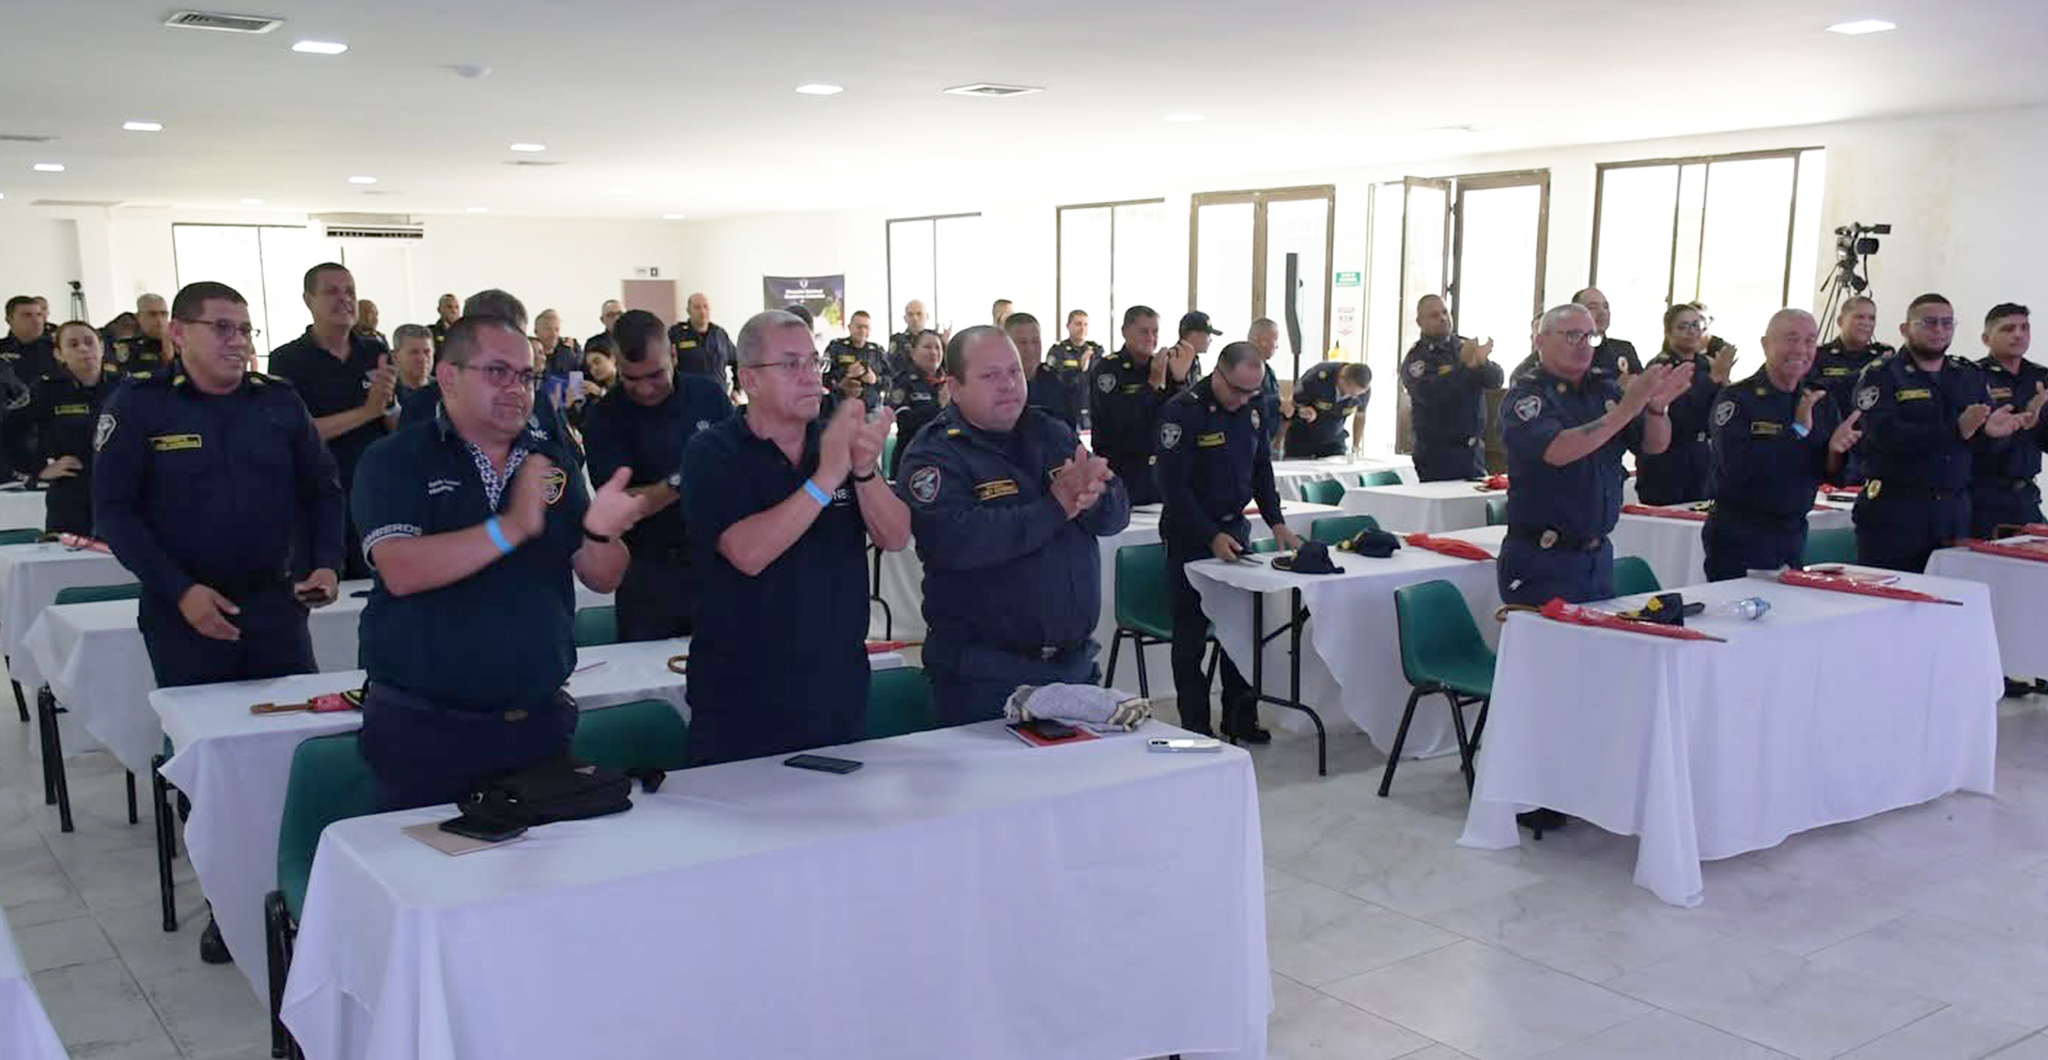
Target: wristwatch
x,y
870,476
601,539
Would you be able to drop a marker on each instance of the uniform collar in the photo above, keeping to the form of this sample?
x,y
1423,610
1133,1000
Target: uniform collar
x,y
533,436
181,381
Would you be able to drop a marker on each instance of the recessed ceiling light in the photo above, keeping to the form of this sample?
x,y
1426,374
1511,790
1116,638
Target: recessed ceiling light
x,y
818,89
1862,26
1455,130
320,47
143,126
479,209
362,180
252,202
621,191
49,167
1184,117
991,90
671,217
529,147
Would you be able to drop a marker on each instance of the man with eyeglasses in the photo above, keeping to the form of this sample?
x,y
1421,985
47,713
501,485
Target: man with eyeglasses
x,y
1684,472
1127,391
202,477
475,524
1447,377
346,380
1215,456
1840,361
781,507
1924,414
643,425
1007,507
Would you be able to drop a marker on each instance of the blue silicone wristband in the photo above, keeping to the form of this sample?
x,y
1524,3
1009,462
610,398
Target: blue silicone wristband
x,y
497,533
1801,429
824,499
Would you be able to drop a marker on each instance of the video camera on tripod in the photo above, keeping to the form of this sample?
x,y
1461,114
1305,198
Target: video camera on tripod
x,y
1855,242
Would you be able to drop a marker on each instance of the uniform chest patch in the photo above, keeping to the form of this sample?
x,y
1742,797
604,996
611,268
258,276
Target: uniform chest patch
x,y
1324,406
172,443
1527,406
990,490
1255,419
1764,429
687,344
924,485
1210,440
1169,435
436,487
1724,412
553,485
1834,372
1998,393
1443,369
1866,397
1105,382
1917,393
86,410
102,431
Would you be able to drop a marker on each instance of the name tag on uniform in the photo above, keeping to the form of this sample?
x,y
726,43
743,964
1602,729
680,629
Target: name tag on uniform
x,y
846,358
1443,369
990,490
1760,428
1210,440
72,410
1325,406
1834,372
1131,389
1915,394
171,443
1998,393
686,344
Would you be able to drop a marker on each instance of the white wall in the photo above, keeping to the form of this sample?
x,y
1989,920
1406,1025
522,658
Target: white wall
x,y
39,255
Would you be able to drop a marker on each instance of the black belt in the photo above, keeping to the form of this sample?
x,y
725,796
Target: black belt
x,y
236,584
1042,652
1546,537
1887,488
1743,513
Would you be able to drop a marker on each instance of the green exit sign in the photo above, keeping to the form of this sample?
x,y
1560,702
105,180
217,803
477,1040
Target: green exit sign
x,y
1347,279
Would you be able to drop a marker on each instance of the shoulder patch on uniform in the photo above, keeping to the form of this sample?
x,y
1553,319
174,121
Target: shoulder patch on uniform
x,y
1866,397
1724,412
924,485
1105,382
1416,368
553,485
1169,435
1527,406
1255,419
103,431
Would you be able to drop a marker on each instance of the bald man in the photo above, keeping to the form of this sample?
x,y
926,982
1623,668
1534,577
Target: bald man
x,y
147,351
703,348
900,344
608,314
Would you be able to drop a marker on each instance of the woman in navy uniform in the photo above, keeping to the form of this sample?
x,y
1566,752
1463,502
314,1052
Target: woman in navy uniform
x,y
919,394
51,440
1685,471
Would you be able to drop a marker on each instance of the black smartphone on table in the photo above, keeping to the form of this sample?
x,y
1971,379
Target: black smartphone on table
x,y
482,829
822,763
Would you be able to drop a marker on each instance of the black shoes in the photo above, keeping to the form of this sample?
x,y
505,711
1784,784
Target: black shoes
x,y
1244,727
1540,821
2016,689
212,948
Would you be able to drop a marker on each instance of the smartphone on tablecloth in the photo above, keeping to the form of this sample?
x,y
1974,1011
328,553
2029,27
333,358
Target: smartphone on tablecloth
x,y
822,763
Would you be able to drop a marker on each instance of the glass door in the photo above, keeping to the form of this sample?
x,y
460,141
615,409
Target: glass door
x,y
1245,247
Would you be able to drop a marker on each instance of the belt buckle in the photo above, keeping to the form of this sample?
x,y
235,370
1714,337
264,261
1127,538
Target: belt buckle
x,y
1548,539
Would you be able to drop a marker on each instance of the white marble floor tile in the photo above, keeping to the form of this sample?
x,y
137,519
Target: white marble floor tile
x,y
1308,1025
1953,962
1665,1036
1317,935
1951,1034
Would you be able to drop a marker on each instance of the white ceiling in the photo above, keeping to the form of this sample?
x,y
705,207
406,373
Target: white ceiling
x,y
691,105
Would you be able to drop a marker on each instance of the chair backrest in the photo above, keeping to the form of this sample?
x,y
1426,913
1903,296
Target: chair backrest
x,y
1497,510
1829,546
889,450
92,594
1322,491
597,625
1632,575
643,734
1334,529
899,703
1435,628
1382,477
329,782
1143,598
22,536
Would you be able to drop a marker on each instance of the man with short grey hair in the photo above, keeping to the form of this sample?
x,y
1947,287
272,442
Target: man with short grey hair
x,y
703,348
148,351
608,314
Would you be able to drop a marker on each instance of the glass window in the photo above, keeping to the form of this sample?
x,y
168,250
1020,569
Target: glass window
x,y
265,263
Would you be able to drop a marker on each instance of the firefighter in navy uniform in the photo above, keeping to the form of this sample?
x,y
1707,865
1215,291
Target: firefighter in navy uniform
x,y
1840,361
148,351
1923,413
1447,377
1125,394
918,394
202,478
51,440
1685,471
447,310
27,351
1071,359
853,368
1007,510
1063,395
1775,440
1325,401
898,356
2002,487
702,347
1215,456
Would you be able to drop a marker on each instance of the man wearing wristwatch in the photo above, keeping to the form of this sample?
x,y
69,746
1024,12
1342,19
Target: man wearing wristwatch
x,y
472,521
781,508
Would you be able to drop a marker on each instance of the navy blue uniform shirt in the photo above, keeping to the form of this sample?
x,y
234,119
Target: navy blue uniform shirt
x,y
650,440
843,358
29,360
1447,400
709,352
59,421
1003,565
915,397
1329,435
1063,395
137,356
1582,499
1684,472
1211,463
1836,368
2013,461
329,385
503,636
1763,470
1124,406
212,488
1911,439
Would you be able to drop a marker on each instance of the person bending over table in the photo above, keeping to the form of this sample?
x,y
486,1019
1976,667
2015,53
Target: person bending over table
x,y
778,543
1006,506
473,523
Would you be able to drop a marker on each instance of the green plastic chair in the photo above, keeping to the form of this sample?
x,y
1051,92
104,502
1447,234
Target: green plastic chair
x,y
93,594
329,782
597,625
26,535
1144,608
1632,575
899,703
1829,546
1336,529
1496,511
1380,478
1322,491
889,452
1441,653
643,734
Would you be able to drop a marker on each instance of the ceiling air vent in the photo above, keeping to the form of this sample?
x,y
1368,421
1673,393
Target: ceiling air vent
x,y
24,138
988,90
221,22
370,226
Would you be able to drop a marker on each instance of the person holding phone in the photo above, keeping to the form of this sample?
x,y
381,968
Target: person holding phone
x,y
346,380
200,477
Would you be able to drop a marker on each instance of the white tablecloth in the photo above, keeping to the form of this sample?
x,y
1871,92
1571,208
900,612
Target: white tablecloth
x,y
25,1031
22,509
2019,603
236,766
30,578
1429,507
1673,547
1711,750
962,896
1290,474
93,659
1351,652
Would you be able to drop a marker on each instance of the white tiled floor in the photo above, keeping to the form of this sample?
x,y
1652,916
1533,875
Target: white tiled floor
x,y
1919,935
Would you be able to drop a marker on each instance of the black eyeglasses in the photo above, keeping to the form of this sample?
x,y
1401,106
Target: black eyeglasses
x,y
502,376
228,329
